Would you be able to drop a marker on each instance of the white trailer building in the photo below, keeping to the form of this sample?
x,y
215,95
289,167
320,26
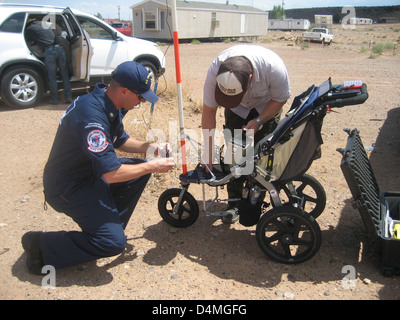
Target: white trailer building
x,y
196,20
323,21
360,21
289,24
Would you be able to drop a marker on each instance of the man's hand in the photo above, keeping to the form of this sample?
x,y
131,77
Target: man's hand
x,y
159,150
251,125
161,165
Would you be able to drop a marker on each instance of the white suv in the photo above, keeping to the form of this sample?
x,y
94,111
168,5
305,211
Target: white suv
x,y
93,49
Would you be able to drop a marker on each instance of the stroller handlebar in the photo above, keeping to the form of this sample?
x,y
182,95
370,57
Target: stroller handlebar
x,y
310,103
339,96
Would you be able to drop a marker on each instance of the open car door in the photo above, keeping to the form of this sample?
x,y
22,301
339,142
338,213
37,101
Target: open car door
x,y
81,49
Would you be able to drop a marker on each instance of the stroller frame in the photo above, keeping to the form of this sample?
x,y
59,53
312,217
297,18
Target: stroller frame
x,y
288,233
221,180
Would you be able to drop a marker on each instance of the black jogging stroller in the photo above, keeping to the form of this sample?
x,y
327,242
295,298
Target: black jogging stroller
x,y
288,232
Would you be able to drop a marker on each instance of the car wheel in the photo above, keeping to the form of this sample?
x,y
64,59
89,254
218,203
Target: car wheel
x,y
21,87
150,67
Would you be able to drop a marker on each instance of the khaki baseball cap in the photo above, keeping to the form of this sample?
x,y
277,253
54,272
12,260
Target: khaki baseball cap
x,y
233,81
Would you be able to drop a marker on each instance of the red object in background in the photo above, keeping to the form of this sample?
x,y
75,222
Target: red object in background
x,y
123,27
354,84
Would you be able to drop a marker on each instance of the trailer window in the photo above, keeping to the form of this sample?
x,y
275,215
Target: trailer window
x,y
150,20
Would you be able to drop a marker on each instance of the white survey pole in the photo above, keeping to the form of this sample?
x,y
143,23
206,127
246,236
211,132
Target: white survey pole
x,y
179,84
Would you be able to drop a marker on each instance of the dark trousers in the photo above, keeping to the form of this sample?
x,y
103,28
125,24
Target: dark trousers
x,y
233,121
55,57
101,210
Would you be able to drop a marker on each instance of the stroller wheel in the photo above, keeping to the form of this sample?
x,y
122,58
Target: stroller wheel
x,y
188,210
310,195
288,235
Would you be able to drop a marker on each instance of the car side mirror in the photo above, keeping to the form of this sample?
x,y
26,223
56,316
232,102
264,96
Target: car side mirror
x,y
116,37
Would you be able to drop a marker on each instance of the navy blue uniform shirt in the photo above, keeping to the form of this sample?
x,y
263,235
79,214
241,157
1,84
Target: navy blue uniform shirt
x,y
44,37
89,131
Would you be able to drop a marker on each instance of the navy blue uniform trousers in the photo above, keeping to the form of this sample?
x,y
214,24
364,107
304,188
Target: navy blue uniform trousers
x,y
101,210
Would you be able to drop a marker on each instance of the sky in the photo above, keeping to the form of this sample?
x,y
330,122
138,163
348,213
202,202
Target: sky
x,y
120,8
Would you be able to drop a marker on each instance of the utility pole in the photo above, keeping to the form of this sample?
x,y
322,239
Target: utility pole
x,y
119,15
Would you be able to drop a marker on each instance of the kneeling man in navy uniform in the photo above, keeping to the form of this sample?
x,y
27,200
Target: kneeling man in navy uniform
x,y
85,179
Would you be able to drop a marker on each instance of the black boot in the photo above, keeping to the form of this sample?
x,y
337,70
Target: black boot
x,y
31,244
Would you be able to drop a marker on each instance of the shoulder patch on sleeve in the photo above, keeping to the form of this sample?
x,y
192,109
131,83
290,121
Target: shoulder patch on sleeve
x,y
97,141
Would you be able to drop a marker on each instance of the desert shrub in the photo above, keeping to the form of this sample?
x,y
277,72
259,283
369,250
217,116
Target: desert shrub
x,y
378,48
388,46
304,45
381,47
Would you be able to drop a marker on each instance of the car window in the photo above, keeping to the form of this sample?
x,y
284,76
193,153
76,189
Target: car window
x,y
73,24
14,23
96,31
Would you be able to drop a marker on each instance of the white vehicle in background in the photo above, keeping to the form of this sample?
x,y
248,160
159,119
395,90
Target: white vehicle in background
x,y
318,35
93,49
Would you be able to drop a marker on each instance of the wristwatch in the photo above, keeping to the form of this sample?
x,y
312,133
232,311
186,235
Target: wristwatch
x,y
260,124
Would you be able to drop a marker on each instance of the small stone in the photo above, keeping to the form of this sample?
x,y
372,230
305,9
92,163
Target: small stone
x,y
174,276
25,199
279,293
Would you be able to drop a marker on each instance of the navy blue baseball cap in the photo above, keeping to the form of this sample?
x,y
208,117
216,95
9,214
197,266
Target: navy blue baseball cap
x,y
135,77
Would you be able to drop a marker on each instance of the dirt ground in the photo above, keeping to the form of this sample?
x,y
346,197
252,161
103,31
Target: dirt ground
x,y
211,260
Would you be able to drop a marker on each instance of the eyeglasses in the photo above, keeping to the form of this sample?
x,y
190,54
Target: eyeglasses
x,y
137,93
139,96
